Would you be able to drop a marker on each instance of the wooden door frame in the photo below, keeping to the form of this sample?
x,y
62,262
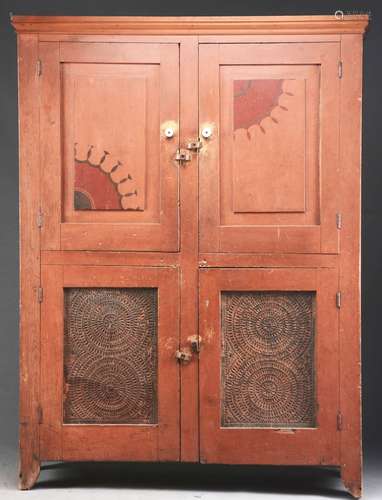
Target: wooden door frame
x,y
60,233
188,32
320,236
310,445
144,442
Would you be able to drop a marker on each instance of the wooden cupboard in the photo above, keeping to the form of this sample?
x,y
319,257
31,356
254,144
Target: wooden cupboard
x,y
190,240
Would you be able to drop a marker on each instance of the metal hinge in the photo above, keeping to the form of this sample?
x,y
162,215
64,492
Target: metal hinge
x,y
38,67
338,300
40,294
339,220
340,69
339,421
40,218
39,414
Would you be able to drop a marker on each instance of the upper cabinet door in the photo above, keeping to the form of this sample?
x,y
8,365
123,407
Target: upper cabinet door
x,y
109,181
269,166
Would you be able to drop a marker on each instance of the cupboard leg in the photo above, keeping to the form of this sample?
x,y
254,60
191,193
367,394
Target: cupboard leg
x,y
29,472
352,480
29,466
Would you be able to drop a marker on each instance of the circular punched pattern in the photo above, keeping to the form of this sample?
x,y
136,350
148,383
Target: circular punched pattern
x,y
107,390
267,393
269,323
109,320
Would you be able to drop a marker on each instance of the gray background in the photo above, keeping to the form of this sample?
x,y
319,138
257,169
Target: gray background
x,y
192,481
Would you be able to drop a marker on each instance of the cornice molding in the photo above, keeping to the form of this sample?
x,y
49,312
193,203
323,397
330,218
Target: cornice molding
x,y
282,25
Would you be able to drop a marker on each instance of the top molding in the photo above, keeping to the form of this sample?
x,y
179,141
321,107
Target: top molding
x,y
262,25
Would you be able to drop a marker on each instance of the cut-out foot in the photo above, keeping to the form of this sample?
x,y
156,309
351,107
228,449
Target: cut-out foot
x,y
352,485
29,474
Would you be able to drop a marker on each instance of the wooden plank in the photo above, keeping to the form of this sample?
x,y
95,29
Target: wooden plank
x,y
209,181
169,169
52,328
189,423
118,236
192,25
104,443
51,158
29,261
277,239
267,260
106,52
110,38
335,37
272,53
350,313
329,148
89,258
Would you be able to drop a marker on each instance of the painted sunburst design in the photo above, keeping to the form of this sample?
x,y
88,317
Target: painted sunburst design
x,y
96,185
254,100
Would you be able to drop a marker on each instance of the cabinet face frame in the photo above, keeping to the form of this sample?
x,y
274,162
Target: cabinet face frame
x,y
188,32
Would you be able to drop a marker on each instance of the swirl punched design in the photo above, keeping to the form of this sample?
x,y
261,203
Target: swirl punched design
x,y
275,324
110,355
268,359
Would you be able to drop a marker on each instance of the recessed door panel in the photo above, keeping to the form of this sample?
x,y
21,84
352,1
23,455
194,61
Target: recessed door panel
x,y
108,176
269,170
108,131
268,366
109,336
110,356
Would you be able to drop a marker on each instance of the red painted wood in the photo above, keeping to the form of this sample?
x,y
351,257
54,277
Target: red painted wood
x,y
269,172
259,445
151,222
107,441
104,111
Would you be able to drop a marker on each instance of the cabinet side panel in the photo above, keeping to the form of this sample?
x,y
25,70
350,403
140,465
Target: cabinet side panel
x,y
29,260
350,348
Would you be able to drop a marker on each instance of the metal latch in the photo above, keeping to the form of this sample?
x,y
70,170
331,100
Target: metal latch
x,y
194,146
182,155
184,355
195,341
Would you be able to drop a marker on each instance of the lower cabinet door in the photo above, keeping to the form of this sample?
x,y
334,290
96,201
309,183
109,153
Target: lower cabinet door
x,y
269,366
109,377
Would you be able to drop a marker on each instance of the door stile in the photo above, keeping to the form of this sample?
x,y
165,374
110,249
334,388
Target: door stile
x,y
209,154
189,396
51,150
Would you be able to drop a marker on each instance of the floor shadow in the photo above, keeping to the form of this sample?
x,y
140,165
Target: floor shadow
x,y
174,476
